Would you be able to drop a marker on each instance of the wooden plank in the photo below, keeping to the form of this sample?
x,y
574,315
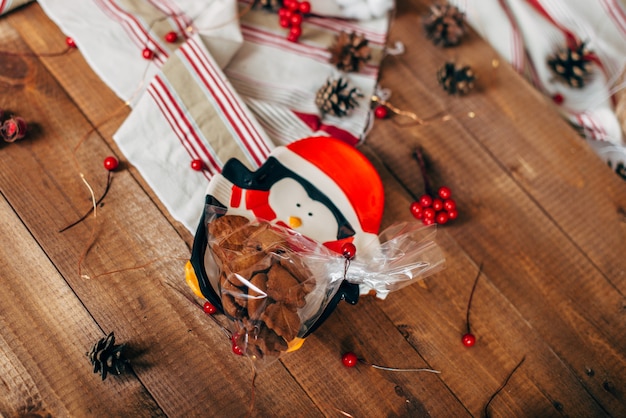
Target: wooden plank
x,y
102,108
185,361
46,332
533,252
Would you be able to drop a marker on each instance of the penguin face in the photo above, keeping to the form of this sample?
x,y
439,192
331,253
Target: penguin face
x,y
293,206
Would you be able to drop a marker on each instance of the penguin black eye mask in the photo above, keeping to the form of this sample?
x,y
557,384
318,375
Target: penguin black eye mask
x,y
271,172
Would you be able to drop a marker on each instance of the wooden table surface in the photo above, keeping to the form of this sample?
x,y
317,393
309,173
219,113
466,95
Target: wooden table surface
x,y
541,213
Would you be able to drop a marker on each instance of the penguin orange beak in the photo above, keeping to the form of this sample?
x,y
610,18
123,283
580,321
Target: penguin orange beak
x,y
294,222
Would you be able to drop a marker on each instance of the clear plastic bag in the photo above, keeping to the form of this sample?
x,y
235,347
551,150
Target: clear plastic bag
x,y
275,286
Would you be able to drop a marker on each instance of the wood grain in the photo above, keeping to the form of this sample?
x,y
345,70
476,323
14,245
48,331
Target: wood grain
x,y
538,210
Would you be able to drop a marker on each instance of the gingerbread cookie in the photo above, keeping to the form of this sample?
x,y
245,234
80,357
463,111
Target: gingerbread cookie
x,y
263,283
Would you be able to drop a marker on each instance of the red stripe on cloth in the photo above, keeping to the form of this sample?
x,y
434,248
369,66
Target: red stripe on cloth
x,y
224,100
172,10
337,25
261,37
181,126
572,40
230,106
616,13
3,4
177,129
518,43
142,35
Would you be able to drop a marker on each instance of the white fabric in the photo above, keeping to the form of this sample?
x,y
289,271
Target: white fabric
x,y
8,5
111,35
526,37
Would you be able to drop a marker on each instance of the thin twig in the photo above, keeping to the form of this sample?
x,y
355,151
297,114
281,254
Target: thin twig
x,y
469,303
486,412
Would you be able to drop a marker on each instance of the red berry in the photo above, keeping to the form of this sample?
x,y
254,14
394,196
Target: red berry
x,y
147,53
381,112
444,192
416,210
442,218
209,308
449,204
171,37
428,221
292,38
282,12
468,340
558,98
292,5
425,200
349,359
296,20
235,347
452,214
429,213
287,3
348,250
69,41
437,204
295,31
284,22
111,163
305,7
197,165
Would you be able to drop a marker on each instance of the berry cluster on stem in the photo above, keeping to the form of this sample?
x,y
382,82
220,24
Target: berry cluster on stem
x,y
433,207
291,16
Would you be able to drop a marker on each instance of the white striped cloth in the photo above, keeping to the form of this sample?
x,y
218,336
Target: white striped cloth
x,y
185,108
527,32
111,34
190,112
7,5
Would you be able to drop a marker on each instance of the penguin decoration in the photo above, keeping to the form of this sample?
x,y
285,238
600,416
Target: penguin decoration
x,y
319,187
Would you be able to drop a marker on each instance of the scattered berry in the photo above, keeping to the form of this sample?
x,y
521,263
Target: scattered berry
x,y
209,308
197,165
69,41
468,340
147,53
111,163
348,250
381,112
349,359
171,37
558,98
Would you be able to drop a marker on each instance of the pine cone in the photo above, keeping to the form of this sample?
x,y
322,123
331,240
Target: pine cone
x,y
445,25
106,357
269,5
336,97
572,66
349,51
456,80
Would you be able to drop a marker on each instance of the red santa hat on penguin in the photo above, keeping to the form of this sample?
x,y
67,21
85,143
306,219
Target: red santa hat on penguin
x,y
347,178
320,187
